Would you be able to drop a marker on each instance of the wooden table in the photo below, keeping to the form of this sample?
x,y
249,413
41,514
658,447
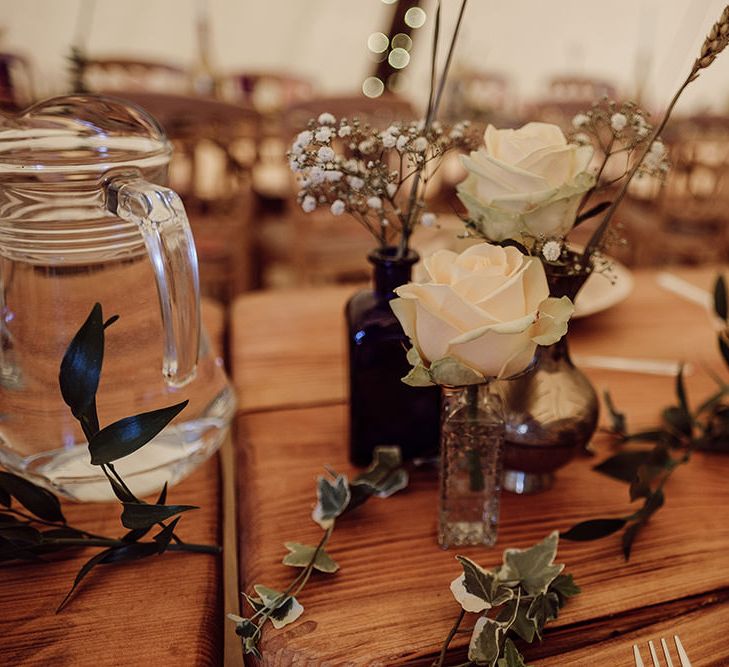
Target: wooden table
x,y
390,602
159,611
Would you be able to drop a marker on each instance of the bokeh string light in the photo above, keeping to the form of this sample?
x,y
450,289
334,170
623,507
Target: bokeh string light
x,y
395,50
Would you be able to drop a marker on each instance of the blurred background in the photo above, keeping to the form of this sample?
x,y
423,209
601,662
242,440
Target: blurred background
x,y
233,81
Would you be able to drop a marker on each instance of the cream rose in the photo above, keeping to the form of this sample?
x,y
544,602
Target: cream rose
x,y
481,315
525,182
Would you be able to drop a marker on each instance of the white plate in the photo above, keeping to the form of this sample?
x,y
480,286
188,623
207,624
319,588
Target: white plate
x,y
604,291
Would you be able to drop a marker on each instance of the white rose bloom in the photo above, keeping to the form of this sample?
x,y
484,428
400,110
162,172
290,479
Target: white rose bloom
x,y
325,154
338,207
374,202
308,204
324,134
618,121
326,119
481,314
528,181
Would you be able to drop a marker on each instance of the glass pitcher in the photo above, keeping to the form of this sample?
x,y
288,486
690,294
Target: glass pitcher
x,y
84,219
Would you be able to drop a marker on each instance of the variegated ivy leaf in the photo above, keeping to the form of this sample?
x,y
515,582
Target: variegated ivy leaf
x,y
286,611
515,612
301,554
543,608
512,657
477,589
485,643
452,372
332,500
384,477
533,568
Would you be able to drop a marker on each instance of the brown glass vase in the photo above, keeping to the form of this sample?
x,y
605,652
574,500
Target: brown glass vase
x,y
551,411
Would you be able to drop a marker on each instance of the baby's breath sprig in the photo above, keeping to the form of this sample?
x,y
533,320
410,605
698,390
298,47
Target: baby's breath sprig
x,y
355,169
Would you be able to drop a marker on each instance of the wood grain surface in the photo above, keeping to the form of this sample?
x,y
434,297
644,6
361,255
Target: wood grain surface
x,y
159,611
390,603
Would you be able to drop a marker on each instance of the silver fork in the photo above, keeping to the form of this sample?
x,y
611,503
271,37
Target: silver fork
x,y
683,658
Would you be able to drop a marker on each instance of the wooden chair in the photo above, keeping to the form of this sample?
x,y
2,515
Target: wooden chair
x,y
129,75
316,248
16,82
567,96
215,148
692,221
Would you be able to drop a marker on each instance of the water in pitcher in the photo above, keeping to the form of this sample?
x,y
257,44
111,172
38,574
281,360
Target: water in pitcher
x,y
65,245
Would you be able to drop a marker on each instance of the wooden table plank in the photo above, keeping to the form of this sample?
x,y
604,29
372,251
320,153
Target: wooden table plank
x,y
158,611
289,347
388,552
155,611
390,603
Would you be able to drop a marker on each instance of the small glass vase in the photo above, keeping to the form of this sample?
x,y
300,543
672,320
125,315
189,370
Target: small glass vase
x,y
383,410
472,438
552,410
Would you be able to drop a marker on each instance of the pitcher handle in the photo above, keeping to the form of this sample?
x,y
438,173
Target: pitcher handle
x,y
161,217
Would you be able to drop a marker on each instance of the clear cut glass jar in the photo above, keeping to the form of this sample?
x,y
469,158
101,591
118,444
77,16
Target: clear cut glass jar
x,y
84,219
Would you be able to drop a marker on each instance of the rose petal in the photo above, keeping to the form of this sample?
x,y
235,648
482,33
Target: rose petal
x,y
552,322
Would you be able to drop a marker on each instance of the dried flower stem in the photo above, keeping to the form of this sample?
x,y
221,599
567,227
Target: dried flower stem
x,y
713,45
433,105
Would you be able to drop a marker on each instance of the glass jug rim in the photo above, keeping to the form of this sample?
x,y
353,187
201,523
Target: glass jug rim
x,y
79,134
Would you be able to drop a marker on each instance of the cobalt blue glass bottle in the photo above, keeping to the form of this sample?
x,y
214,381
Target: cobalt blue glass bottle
x,y
384,410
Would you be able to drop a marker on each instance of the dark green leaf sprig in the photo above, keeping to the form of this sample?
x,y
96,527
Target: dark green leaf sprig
x,y
515,600
682,431
32,523
336,496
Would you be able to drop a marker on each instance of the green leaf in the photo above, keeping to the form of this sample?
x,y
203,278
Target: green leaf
x,y
724,348
127,435
681,392
721,304
593,529
41,502
81,364
142,515
544,608
512,657
301,554
332,500
592,212
20,534
624,465
130,552
522,626
164,537
617,419
454,373
534,568
484,647
631,532
678,419
565,587
85,569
